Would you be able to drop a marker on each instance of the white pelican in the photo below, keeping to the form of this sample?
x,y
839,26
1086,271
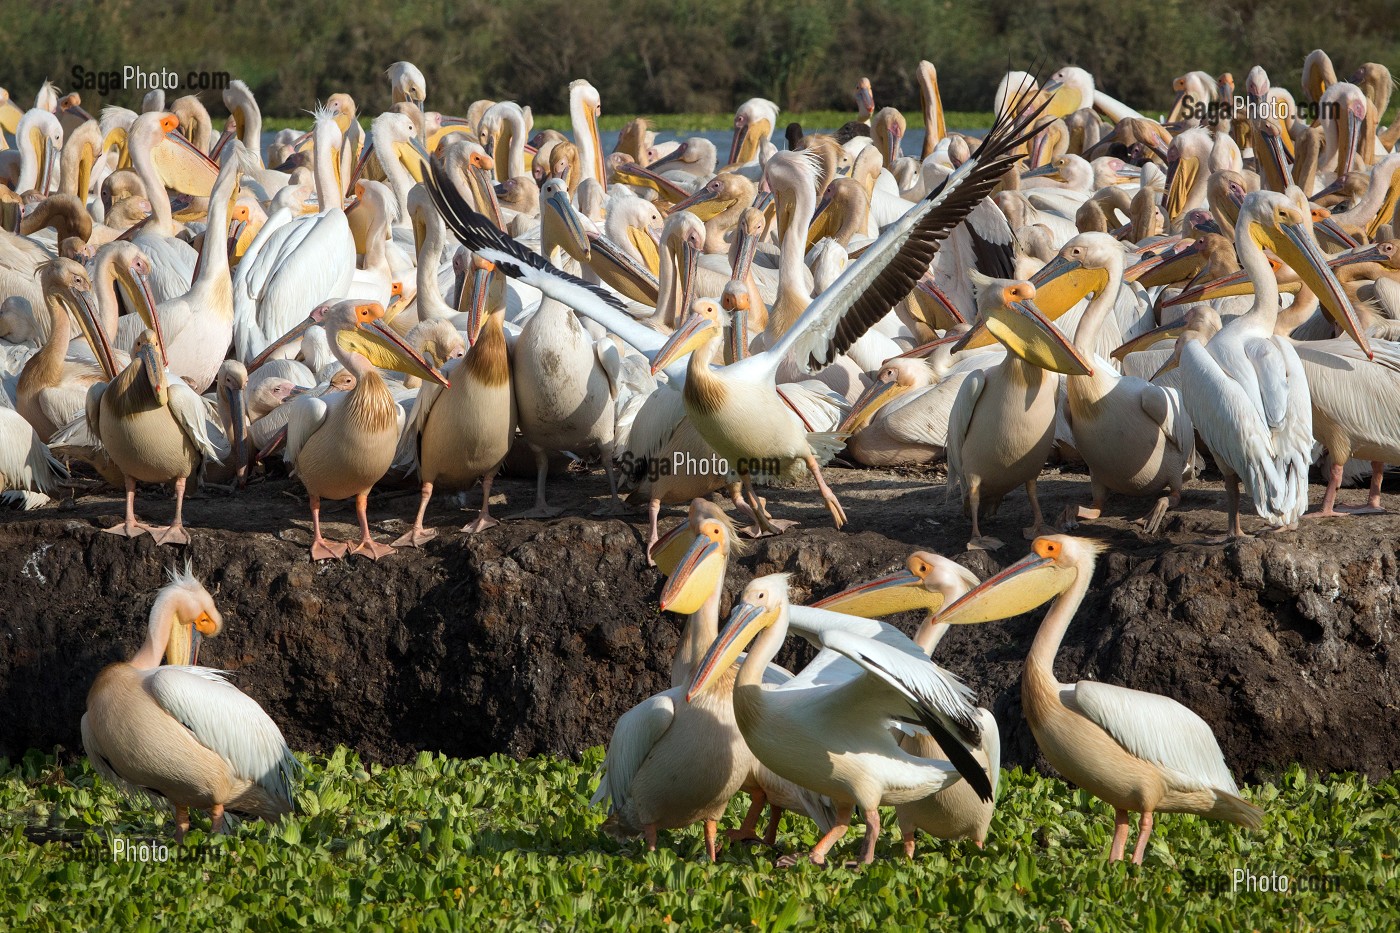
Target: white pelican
x,y
737,409
1133,750
1245,390
828,728
153,428
161,158
199,323
1002,424
929,582
671,763
293,267
1135,437
342,444
584,109
181,733
28,472
462,433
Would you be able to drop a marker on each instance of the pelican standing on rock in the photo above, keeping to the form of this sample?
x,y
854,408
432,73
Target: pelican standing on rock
x,y
1133,750
1245,389
182,733
343,443
463,432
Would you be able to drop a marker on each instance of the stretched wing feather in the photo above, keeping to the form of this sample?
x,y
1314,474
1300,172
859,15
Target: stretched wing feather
x,y
193,414
305,415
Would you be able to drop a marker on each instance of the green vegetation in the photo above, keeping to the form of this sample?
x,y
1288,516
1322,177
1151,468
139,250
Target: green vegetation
x,y
444,843
698,56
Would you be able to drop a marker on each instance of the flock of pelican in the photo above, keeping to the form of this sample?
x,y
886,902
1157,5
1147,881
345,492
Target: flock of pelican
x,y
418,300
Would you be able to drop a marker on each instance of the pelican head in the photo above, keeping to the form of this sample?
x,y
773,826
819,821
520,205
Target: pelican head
x,y
1009,314
182,615
558,214
1056,563
1283,223
924,584
700,326
718,195
407,83
753,123
1081,267
231,386
897,377
764,603
701,568
357,327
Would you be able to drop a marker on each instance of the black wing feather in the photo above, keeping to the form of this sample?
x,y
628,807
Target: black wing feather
x,y
899,276
475,231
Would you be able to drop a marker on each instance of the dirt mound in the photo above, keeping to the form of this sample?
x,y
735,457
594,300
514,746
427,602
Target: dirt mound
x,y
534,637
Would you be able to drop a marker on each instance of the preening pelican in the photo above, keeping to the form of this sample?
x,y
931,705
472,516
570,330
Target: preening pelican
x,y
1245,390
929,582
827,729
342,444
182,733
1133,750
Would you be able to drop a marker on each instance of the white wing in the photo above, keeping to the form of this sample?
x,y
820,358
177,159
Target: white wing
x,y
1163,406
634,736
227,722
1157,729
25,463
305,415
192,413
304,263
959,420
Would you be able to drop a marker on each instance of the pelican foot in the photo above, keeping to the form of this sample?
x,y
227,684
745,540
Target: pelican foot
x,y
774,527
1226,539
321,549
742,837
540,511
415,538
1069,518
838,514
481,524
371,549
985,543
794,859
1152,522
128,530
1278,529
175,534
1342,510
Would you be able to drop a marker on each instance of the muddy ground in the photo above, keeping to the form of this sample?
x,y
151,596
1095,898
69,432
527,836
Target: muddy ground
x,y
535,636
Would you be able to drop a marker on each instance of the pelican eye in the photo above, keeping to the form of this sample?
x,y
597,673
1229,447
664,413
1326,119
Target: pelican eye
x,y
1047,548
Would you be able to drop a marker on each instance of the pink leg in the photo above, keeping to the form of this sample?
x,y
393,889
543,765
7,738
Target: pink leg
x,y
833,505
770,838
417,536
1144,834
712,840
130,528
1120,835
748,830
218,818
872,835
484,520
653,536
367,545
175,533
823,846
321,549
649,833
182,823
